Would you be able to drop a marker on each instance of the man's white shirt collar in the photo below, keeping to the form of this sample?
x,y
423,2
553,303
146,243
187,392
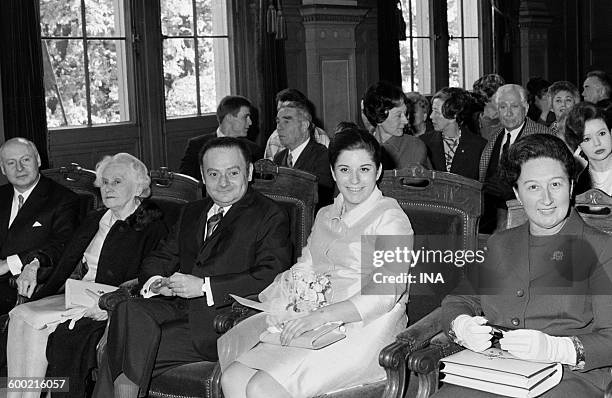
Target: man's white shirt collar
x,y
220,133
295,154
513,133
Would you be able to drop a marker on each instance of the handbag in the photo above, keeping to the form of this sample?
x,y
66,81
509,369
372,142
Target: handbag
x,y
315,339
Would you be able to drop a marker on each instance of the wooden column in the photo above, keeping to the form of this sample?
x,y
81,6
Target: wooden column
x,y
329,30
534,20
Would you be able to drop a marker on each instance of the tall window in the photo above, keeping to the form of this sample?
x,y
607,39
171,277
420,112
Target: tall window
x,y
85,63
417,53
195,55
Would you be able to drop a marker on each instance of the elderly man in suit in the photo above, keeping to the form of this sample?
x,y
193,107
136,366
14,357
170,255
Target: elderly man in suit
x,y
512,105
234,117
295,131
234,241
37,218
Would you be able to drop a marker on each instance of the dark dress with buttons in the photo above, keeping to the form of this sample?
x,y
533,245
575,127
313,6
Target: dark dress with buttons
x,y
559,285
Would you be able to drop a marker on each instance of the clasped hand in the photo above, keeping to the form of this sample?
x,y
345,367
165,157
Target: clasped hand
x,y
534,345
296,326
94,312
472,332
181,285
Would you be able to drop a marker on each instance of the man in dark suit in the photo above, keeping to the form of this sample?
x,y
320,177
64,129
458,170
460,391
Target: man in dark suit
x,y
234,241
234,116
511,100
37,218
295,131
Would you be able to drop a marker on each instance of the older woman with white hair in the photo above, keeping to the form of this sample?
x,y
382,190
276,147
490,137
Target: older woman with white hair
x,y
108,248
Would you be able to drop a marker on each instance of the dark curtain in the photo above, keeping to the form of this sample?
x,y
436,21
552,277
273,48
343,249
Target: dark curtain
x,y
388,43
23,94
259,64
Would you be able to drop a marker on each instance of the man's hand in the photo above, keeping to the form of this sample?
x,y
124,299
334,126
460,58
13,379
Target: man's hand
x,y
160,286
26,282
185,285
4,268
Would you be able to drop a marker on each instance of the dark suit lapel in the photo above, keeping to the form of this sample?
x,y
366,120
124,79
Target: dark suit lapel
x,y
305,156
228,218
31,207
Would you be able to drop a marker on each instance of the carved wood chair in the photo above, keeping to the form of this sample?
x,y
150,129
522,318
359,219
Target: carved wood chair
x,y
294,190
594,206
170,191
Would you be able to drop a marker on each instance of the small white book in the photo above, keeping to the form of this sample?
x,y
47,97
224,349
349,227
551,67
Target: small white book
x,y
76,292
498,371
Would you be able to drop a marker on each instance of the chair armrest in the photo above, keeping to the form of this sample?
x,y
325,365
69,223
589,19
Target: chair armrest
x,y
395,357
419,334
224,322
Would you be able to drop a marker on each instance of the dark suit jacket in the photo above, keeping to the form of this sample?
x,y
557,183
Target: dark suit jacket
x,y
249,247
517,290
190,163
467,153
530,127
51,205
126,245
314,160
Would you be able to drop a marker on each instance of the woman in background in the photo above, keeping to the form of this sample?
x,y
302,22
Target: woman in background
x,y
486,122
452,147
108,248
385,106
419,123
563,96
587,130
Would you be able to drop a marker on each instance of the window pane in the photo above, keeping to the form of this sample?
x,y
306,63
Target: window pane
x,y
419,16
104,18
455,68
212,17
60,18
471,61
176,17
453,17
65,83
214,72
179,77
416,69
470,18
108,82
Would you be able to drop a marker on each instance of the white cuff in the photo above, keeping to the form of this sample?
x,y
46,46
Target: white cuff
x,y
210,301
146,291
14,263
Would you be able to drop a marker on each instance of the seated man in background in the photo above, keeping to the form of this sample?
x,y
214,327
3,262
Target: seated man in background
x,y
234,241
273,146
512,105
37,218
295,130
234,117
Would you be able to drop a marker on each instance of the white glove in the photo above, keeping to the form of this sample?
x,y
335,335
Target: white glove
x,y
534,345
471,333
74,314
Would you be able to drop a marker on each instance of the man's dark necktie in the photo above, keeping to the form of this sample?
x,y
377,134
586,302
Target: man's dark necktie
x,y
20,204
213,222
289,159
505,147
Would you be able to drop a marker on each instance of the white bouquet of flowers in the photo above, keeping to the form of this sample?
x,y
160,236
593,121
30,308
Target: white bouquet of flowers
x,y
307,290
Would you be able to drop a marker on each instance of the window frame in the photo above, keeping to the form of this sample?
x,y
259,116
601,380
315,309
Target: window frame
x,y
128,69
